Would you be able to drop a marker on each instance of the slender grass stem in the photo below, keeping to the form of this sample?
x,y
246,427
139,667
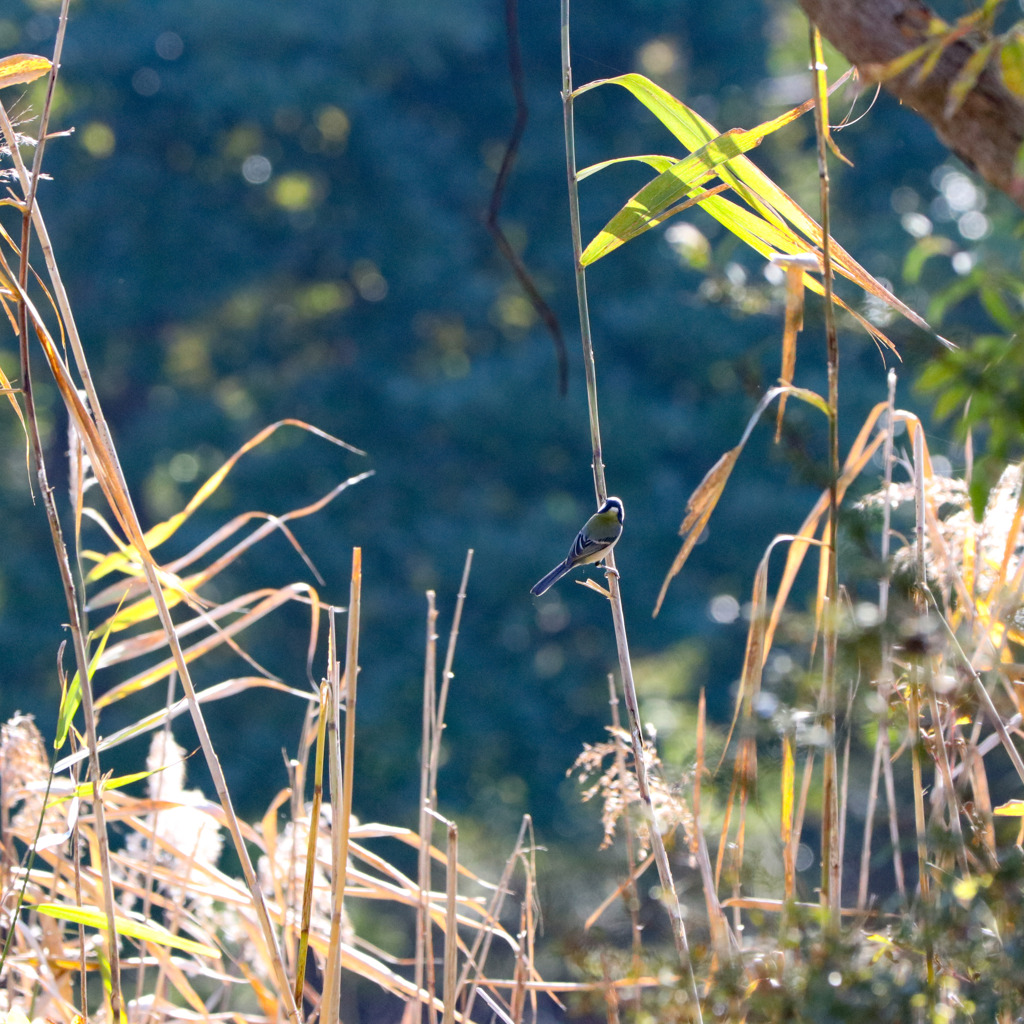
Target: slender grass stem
x,y
424,933
831,852
669,896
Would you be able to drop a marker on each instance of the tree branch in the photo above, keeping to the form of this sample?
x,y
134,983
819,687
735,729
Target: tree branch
x,y
986,131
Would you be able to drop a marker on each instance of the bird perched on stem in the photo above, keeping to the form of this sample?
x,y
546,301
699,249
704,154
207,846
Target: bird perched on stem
x,y
592,543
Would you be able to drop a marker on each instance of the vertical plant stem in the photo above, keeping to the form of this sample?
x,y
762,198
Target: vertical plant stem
x,y
946,775
348,781
831,852
434,704
424,950
326,704
632,897
882,762
914,711
451,935
668,890
342,777
446,677
480,949
331,998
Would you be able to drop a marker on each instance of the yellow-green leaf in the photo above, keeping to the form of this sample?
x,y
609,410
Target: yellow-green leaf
x,y
94,917
1011,60
22,68
774,224
967,77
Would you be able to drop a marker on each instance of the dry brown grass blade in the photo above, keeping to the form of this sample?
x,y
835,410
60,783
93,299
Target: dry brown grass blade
x,y
182,985
8,389
124,560
723,841
411,839
859,456
152,641
219,637
744,776
756,652
106,471
619,892
219,691
705,497
22,68
698,511
792,326
770,906
722,939
124,589
821,93
306,913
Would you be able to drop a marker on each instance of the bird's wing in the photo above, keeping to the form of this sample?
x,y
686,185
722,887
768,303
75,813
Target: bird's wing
x,y
588,544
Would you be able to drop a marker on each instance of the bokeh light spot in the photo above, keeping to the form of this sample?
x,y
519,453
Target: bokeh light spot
x,y
323,298
369,281
333,124
256,169
146,82
183,467
169,45
295,191
724,608
97,139
659,57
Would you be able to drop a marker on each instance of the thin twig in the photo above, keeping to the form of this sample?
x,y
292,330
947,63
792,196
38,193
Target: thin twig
x,y
446,677
543,310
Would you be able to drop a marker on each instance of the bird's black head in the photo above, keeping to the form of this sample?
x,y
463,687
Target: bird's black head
x,y
610,504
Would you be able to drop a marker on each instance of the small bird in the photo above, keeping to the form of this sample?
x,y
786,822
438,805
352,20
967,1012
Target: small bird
x,y
592,543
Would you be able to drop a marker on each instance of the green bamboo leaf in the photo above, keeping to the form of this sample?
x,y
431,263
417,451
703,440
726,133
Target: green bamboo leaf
x,y
84,789
94,917
659,163
775,215
72,698
694,132
684,178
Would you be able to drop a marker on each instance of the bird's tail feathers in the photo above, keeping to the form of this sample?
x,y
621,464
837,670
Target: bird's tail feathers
x,y
551,579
